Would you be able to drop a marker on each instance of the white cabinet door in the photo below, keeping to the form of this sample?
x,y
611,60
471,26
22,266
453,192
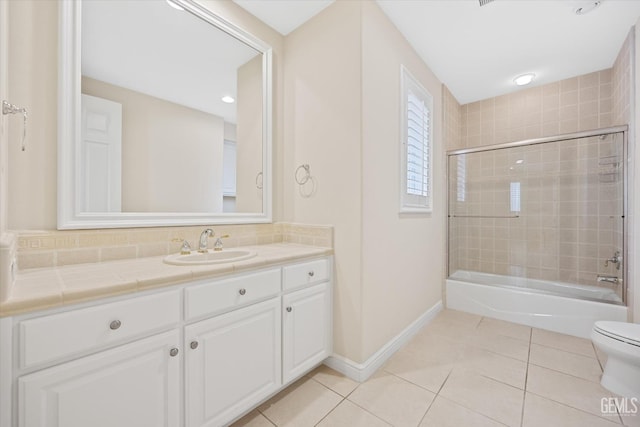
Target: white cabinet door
x,y
232,363
137,384
307,334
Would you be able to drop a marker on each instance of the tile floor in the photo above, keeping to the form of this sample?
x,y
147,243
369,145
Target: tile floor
x,y
460,370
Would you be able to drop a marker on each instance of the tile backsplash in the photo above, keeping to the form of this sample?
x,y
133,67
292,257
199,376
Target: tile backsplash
x,y
52,248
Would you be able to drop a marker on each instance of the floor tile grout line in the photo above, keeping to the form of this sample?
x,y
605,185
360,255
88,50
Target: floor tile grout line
x,y
410,382
566,351
526,377
573,407
332,409
470,409
597,358
564,373
332,390
369,412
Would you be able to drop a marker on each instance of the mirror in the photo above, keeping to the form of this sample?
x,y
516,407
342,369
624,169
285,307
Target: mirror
x,y
165,117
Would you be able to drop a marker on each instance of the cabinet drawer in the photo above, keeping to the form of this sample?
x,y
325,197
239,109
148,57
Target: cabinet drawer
x,y
222,295
306,273
59,335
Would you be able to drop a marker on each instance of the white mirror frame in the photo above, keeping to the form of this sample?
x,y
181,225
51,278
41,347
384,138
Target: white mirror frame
x,y
69,95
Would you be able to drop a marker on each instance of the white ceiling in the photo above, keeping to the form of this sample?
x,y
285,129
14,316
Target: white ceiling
x,y
152,48
478,51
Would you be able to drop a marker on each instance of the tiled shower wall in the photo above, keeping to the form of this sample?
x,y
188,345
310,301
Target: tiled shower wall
x,y
571,105
557,223
580,103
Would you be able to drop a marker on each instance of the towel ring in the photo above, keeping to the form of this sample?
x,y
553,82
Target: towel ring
x,y
259,181
8,108
308,189
302,179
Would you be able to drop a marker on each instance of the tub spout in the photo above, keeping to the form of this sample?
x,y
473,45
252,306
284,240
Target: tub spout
x,y
608,279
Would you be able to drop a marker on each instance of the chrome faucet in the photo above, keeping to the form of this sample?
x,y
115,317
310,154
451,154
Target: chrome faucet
x,y
615,259
204,240
607,279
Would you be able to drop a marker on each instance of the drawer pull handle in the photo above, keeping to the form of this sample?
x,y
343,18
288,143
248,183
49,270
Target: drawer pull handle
x,y
193,345
311,274
289,309
115,325
242,291
173,352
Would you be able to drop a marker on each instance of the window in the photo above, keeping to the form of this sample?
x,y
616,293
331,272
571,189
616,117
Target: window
x,y
514,196
416,136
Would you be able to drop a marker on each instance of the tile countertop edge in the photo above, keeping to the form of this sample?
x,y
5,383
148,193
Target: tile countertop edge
x,y
54,295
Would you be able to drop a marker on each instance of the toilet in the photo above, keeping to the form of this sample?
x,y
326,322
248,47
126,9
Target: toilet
x,y
621,343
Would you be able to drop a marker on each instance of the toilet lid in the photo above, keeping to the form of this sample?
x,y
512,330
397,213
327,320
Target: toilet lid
x,y
628,332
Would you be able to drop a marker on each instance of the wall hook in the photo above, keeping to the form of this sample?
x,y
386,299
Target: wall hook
x,y
8,108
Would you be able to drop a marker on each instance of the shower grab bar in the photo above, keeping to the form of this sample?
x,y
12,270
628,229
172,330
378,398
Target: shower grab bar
x,y
484,216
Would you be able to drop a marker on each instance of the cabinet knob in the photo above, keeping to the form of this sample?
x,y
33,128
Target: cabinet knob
x,y
194,345
173,352
115,325
311,274
289,309
242,291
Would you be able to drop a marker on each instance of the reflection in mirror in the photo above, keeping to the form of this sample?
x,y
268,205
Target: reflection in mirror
x,y
172,117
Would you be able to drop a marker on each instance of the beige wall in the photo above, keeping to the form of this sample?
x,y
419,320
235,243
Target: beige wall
x,y
4,120
33,67
166,148
623,74
33,53
633,234
249,136
342,97
402,256
323,117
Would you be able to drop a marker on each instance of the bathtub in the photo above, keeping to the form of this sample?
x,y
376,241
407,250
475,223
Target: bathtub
x,y
560,307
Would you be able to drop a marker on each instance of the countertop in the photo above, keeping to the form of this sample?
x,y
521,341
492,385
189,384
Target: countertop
x,y
38,289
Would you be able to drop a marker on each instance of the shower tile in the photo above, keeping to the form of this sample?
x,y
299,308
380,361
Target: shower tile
x,y
568,85
589,109
569,126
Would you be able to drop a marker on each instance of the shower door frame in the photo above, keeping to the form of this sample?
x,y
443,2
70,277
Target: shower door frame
x,y
624,129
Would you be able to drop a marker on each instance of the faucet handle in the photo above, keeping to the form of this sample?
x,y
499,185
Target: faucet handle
x,y
186,247
217,246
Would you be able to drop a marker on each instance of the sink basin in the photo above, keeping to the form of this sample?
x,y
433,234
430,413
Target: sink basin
x,y
213,257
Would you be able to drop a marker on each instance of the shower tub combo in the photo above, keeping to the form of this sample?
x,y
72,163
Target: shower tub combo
x,y
536,231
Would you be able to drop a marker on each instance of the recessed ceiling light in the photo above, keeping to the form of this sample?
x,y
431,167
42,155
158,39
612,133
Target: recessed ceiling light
x,y
174,5
228,99
587,7
519,162
524,79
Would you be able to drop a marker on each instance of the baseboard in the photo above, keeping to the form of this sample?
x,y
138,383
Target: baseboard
x,y
362,371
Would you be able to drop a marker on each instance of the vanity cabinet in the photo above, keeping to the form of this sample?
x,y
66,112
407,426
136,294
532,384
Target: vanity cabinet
x,y
199,354
136,384
232,363
306,330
